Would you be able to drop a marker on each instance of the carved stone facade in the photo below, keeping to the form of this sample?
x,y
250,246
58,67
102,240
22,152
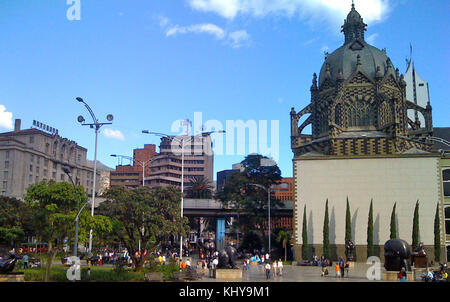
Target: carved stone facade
x,y
359,105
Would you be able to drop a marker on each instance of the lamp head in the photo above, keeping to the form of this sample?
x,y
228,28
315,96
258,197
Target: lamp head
x,y
79,99
114,155
110,117
80,119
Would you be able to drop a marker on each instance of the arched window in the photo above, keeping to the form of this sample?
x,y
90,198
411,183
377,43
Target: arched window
x,y
359,115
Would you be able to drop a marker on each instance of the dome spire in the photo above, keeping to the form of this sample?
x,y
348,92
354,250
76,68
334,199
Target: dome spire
x,y
354,26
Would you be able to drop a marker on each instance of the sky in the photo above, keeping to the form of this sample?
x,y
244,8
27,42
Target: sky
x,y
150,63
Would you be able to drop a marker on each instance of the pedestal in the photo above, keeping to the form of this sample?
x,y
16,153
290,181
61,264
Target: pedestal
x,y
393,276
12,278
229,274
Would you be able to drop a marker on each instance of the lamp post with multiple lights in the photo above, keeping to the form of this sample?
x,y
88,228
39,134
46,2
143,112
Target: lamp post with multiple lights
x,y
77,218
95,125
183,139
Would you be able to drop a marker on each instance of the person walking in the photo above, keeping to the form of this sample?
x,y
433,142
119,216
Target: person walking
x,y
267,271
280,267
341,266
25,261
338,270
274,267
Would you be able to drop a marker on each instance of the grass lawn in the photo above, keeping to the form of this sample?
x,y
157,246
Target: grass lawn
x,y
98,274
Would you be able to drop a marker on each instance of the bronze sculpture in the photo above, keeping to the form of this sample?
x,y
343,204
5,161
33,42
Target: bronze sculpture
x,y
227,258
396,254
349,250
7,264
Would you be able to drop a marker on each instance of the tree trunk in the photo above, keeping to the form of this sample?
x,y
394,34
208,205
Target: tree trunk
x,y
285,253
48,266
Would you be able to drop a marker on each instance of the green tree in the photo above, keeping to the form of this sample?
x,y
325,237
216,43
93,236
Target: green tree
x,y
370,248
348,223
199,187
326,233
393,223
53,208
145,214
14,221
304,237
437,235
415,232
246,198
284,237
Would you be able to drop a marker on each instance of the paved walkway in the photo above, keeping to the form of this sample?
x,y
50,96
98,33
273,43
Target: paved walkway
x,y
256,273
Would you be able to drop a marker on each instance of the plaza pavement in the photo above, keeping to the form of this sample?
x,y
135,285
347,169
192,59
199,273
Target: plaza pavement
x,y
291,273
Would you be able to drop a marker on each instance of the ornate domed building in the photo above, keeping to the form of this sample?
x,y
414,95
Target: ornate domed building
x,y
358,103
362,147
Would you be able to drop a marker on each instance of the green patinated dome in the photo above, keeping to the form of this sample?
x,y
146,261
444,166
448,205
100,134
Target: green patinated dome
x,y
344,59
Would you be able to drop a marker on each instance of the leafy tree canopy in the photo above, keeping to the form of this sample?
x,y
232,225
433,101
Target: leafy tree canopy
x,y
145,214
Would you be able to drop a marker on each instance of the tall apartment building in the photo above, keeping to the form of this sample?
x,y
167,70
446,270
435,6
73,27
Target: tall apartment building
x,y
198,161
284,189
130,176
32,155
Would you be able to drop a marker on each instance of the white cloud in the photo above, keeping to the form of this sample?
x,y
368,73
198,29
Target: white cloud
x,y
311,10
6,118
114,134
206,28
239,38
235,39
371,39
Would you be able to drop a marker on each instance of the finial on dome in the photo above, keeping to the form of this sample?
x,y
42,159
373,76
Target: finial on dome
x,y
314,82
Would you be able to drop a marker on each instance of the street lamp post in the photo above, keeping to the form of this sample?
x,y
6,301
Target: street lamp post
x,y
183,139
268,199
75,245
96,125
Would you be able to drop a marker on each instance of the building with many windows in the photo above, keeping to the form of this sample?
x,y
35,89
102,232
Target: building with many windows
x,y
32,155
198,161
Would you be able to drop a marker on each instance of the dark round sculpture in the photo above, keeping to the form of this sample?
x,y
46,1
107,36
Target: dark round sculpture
x,y
227,258
7,264
396,254
350,250
206,245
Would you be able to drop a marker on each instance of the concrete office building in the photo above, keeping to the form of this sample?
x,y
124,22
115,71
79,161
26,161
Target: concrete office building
x,y
198,161
32,155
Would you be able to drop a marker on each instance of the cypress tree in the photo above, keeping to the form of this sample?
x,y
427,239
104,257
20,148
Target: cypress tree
x,y
437,236
370,231
326,233
305,237
415,232
393,223
348,223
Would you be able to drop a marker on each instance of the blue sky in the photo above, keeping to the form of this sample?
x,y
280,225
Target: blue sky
x,y
150,63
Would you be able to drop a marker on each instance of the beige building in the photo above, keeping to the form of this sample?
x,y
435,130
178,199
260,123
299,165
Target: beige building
x,y
32,155
365,145
198,161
